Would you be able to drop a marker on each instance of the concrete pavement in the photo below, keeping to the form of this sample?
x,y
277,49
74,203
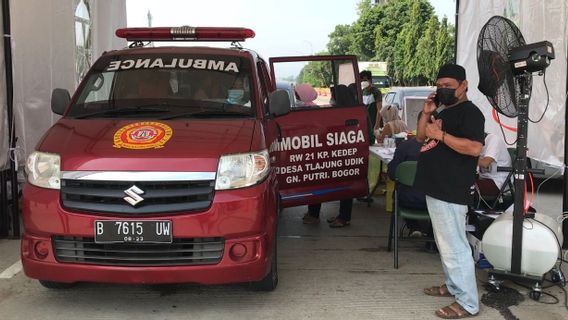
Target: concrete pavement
x,y
324,274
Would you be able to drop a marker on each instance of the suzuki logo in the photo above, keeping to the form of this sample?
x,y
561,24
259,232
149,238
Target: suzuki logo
x,y
133,195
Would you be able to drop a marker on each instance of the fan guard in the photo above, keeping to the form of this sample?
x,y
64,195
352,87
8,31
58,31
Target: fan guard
x,y
496,80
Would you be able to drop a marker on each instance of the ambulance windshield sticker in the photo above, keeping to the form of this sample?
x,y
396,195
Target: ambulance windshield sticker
x,y
143,135
173,63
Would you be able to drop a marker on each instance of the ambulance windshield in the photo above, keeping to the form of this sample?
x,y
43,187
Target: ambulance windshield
x,y
166,86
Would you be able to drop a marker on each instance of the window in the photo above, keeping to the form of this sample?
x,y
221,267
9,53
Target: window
x,y
168,86
83,42
322,83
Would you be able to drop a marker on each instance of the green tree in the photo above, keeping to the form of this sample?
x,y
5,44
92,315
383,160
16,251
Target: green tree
x,y
426,64
399,20
412,35
364,6
396,66
445,43
404,33
364,31
316,73
389,29
340,40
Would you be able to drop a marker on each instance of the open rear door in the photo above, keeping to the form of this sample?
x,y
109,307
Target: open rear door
x,y
322,152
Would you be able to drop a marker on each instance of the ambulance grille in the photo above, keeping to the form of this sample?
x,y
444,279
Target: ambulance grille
x,y
192,251
97,196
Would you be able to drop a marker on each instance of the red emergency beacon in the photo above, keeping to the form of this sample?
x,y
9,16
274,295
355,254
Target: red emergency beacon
x,y
185,33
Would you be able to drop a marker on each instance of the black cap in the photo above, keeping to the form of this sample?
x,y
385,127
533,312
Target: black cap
x,y
453,71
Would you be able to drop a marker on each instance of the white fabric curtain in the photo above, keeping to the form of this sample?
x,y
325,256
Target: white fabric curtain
x,y
44,57
538,21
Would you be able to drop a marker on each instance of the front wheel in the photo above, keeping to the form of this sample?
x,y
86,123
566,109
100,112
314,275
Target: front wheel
x,y
269,282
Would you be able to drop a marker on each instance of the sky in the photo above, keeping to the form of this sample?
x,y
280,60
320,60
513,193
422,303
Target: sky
x,y
283,28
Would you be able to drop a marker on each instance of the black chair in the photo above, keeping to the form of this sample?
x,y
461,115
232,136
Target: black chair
x,y
404,174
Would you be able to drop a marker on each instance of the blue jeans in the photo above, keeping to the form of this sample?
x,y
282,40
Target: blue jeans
x,y
448,221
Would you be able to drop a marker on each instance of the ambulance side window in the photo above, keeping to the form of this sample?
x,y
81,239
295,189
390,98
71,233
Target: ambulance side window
x,y
318,84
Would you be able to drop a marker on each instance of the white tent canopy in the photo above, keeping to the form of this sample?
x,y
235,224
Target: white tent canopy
x,y
538,21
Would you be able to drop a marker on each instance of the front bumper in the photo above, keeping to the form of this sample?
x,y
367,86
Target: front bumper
x,y
244,217
253,268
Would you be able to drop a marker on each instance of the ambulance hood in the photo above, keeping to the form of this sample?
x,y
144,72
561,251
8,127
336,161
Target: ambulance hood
x,y
131,145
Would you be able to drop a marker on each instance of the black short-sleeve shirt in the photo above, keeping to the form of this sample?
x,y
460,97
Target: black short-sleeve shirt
x,y
443,173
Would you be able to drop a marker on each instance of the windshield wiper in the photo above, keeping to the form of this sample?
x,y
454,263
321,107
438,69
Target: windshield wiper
x,y
208,114
124,111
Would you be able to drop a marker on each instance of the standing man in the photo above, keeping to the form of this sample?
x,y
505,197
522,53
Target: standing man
x,y
446,171
373,101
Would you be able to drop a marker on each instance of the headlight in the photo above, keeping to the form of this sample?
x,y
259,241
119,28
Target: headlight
x,y
43,170
242,170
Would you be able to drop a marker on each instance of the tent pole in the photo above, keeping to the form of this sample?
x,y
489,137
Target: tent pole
x,y
456,32
565,178
3,204
10,108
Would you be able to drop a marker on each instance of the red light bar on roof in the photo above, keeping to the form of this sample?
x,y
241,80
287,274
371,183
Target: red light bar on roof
x,y
185,34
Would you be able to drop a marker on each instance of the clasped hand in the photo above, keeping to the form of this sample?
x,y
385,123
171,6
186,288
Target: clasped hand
x,y
434,129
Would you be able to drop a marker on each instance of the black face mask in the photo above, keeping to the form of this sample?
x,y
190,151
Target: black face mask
x,y
446,96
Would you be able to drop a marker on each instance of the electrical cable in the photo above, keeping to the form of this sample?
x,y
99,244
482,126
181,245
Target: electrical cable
x,y
552,176
547,99
503,132
528,203
481,199
565,296
555,301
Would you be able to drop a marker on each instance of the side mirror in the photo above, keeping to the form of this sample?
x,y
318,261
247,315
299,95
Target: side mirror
x,y
279,104
60,99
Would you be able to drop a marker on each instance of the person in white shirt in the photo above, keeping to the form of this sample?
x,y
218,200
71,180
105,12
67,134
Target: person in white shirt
x,y
494,154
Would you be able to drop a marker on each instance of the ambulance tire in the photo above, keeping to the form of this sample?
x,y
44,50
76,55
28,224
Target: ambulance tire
x,y
269,282
56,285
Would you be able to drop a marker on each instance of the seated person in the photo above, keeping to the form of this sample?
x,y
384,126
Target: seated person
x,y
305,95
393,123
408,197
154,85
209,86
142,84
493,154
342,96
239,93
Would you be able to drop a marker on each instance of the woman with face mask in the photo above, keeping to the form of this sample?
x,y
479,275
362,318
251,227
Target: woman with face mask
x,y
237,94
393,123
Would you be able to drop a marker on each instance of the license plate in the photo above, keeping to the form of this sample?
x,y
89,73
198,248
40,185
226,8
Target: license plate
x,y
153,231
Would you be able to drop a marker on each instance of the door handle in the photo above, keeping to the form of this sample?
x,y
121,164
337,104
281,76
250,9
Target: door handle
x,y
351,122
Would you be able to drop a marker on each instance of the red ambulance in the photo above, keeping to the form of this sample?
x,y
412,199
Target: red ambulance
x,y
172,164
